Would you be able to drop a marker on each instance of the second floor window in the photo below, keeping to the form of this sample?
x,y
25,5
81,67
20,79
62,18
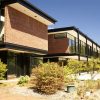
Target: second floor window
x,y
71,43
60,35
82,48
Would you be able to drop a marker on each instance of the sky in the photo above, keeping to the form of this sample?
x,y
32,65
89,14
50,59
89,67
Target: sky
x,y
83,14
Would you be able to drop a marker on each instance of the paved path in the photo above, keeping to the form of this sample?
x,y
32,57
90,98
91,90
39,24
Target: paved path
x,y
18,97
8,96
16,93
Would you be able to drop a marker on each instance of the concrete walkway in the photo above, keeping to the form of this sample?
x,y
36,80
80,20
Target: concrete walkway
x,y
9,81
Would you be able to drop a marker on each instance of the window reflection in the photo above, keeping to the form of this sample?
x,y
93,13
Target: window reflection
x,y
11,63
71,43
82,47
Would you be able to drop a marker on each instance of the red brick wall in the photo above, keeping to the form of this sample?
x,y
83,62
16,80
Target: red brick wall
x,y
57,45
24,30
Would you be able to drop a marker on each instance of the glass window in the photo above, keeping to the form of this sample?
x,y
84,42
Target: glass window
x,y
71,43
82,48
70,36
77,46
11,64
94,52
2,12
1,26
35,61
60,35
89,50
1,30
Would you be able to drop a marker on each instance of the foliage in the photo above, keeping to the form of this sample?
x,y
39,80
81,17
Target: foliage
x,y
73,66
3,70
91,84
50,77
76,65
23,80
93,64
88,85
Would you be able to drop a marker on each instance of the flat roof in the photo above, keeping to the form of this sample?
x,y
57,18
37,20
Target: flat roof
x,y
72,28
30,7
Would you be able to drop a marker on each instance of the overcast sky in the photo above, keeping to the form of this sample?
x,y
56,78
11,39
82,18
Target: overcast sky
x,y
84,14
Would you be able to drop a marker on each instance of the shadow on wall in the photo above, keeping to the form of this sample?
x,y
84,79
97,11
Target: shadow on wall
x,y
24,23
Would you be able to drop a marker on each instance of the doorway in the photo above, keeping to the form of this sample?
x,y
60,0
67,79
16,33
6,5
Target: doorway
x,y
23,64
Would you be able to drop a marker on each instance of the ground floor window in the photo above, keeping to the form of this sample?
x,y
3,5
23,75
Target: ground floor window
x,y
11,63
35,61
19,64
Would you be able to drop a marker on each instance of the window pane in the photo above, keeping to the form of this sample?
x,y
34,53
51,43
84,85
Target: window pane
x,y
72,46
70,36
71,43
60,35
11,64
1,26
82,48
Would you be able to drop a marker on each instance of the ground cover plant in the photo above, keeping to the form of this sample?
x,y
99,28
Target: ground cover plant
x,y
23,80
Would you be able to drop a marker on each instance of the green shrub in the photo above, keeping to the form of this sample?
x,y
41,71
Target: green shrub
x,y
3,70
23,80
49,76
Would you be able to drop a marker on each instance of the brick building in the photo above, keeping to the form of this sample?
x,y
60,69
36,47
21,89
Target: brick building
x,y
23,36
25,39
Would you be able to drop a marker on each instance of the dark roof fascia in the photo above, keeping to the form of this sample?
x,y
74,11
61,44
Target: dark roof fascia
x,y
22,48
56,55
7,2
60,29
37,10
83,34
29,6
60,54
72,28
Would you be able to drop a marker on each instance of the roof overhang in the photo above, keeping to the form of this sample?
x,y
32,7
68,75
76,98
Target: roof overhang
x,y
21,49
30,10
63,56
65,29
